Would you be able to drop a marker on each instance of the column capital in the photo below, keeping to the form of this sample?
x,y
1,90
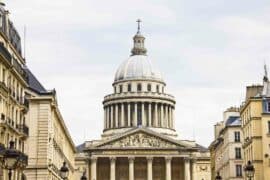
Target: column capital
x,y
187,159
113,159
149,158
93,158
194,160
131,158
168,158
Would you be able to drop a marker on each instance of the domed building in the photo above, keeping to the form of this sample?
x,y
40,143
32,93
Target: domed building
x,y
139,140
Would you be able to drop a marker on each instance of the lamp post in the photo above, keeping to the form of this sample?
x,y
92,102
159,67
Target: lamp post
x,y
11,158
218,177
249,170
64,171
84,176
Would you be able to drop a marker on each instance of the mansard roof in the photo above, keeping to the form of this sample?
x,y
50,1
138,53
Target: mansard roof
x,y
34,83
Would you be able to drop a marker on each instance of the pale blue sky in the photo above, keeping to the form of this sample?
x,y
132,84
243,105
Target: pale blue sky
x,y
207,50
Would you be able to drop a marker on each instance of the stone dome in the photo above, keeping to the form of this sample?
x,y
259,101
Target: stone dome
x,y
137,67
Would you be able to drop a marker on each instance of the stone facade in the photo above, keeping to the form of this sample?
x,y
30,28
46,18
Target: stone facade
x,y
13,83
255,114
139,139
226,149
29,114
49,144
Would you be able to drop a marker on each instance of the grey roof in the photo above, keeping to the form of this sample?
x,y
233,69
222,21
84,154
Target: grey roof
x,y
233,121
137,67
80,147
34,84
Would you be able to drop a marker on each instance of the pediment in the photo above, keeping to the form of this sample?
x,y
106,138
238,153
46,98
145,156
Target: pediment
x,y
141,139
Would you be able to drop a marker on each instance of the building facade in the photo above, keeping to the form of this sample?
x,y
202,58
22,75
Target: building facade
x,y
139,139
49,143
13,84
226,150
30,116
255,115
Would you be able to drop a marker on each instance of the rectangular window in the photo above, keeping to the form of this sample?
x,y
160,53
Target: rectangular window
x,y
268,106
238,153
129,87
237,136
238,169
120,88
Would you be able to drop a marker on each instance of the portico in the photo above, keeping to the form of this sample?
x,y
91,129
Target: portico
x,y
157,167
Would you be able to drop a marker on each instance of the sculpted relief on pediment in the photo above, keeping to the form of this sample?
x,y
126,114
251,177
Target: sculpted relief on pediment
x,y
140,140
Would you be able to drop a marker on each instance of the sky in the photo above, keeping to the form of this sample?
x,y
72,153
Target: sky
x,y
208,52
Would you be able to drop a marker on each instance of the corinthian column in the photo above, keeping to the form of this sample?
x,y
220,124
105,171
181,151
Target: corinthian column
x,y
149,114
168,168
122,115
161,115
111,119
149,168
143,118
187,168
112,168
108,117
105,119
116,116
131,167
135,114
156,115
93,168
194,173
129,123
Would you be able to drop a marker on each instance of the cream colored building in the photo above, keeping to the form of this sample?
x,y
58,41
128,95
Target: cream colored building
x,y
29,114
49,143
13,83
139,139
255,115
226,149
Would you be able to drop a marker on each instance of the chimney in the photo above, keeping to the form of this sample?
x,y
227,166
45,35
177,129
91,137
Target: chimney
x,y
253,91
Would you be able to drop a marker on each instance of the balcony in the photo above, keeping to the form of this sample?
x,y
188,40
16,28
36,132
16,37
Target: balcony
x,y
23,129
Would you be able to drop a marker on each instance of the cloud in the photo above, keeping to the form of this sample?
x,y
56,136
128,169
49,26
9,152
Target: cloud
x,y
208,52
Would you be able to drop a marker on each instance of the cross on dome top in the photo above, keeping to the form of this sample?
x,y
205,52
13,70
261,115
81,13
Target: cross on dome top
x,y
138,39
139,26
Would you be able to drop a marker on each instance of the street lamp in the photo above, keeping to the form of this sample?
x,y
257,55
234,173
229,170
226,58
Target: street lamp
x,y
64,171
10,158
218,177
249,170
84,176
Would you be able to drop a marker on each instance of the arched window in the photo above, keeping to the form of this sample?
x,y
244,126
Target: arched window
x,y
149,87
129,87
139,87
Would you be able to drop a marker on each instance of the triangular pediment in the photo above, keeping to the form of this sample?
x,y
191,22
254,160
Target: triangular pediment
x,y
142,138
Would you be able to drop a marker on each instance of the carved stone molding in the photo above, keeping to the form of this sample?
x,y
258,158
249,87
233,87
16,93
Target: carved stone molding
x,y
140,140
